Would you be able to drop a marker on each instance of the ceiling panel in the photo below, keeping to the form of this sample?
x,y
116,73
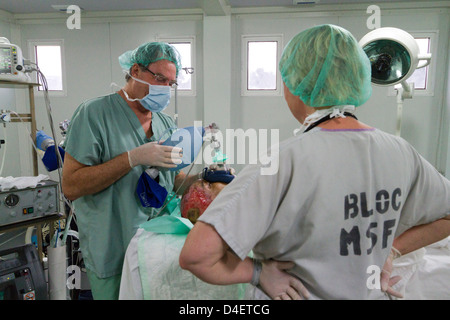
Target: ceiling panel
x,y
33,6
269,3
43,6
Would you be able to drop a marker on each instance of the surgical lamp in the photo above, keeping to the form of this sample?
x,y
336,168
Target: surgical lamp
x,y
394,56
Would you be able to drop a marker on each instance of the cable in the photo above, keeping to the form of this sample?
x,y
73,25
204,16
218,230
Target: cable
x,y
66,230
43,81
29,133
37,151
10,239
4,153
29,235
32,141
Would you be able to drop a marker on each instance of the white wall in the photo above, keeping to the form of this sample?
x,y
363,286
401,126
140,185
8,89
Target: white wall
x,y
447,116
422,123
91,65
91,56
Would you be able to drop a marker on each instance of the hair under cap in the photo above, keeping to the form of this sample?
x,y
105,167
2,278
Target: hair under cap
x,y
149,53
325,66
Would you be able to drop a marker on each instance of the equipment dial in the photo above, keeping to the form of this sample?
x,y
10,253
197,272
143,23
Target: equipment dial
x,y
11,200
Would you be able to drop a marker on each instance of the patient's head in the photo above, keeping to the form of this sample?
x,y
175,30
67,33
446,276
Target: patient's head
x,y
197,198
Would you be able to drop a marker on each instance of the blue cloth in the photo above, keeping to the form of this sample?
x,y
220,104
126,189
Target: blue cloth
x,y
150,192
50,158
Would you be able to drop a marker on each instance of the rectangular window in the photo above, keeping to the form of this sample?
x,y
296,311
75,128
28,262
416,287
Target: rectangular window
x,y
423,78
419,77
49,58
260,55
185,46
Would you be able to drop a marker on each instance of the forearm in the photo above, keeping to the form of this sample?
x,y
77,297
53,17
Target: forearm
x,y
208,257
422,235
227,270
79,180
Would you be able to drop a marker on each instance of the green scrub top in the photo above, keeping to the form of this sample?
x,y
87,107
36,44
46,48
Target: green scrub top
x,y
101,129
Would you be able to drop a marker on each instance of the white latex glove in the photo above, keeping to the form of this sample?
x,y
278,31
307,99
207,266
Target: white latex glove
x,y
280,285
387,282
156,155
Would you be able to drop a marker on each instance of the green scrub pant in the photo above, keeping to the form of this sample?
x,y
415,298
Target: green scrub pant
x,y
104,288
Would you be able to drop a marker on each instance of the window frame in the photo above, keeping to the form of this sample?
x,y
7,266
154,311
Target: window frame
x,y
32,54
431,73
245,39
191,41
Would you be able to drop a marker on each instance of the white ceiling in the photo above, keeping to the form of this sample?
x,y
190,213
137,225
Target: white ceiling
x,y
43,6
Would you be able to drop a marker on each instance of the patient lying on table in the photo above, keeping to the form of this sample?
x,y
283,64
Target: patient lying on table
x,y
151,270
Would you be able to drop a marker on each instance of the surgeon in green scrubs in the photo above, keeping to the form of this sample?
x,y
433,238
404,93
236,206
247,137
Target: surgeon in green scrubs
x,y
111,140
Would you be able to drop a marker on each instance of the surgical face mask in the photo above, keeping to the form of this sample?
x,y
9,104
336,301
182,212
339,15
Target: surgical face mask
x,y
157,99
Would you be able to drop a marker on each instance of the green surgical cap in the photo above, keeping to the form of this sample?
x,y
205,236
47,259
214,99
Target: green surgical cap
x,y
325,66
149,53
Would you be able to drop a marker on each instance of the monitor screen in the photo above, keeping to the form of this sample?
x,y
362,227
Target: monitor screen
x,y
5,60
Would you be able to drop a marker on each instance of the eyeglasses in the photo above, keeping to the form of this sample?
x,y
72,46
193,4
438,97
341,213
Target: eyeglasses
x,y
161,78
